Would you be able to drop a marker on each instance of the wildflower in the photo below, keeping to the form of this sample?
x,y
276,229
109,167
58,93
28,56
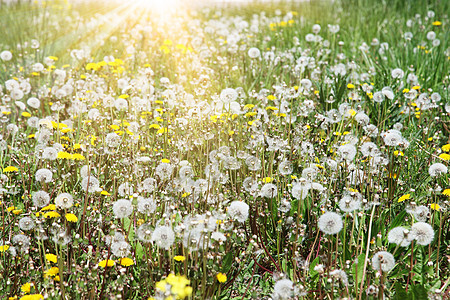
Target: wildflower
x,y
6,55
179,258
340,275
383,261
330,223
126,262
254,52
122,208
71,218
90,184
40,198
64,201
175,285
44,175
238,211
435,206
349,204
144,233
26,223
51,215
51,257
400,236
50,153
120,249
422,232
26,288
163,236
437,169
146,206
32,297
269,190
283,289
4,248
106,263
446,192
10,169
404,197
221,277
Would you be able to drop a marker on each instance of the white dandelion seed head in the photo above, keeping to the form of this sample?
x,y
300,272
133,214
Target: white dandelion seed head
x,y
383,261
422,233
400,236
40,198
122,208
330,223
437,169
64,201
44,175
238,211
283,289
163,237
26,223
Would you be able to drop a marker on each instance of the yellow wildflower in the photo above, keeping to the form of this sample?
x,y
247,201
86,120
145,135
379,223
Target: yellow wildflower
x,y
71,218
404,197
126,262
221,277
105,263
179,258
51,257
10,169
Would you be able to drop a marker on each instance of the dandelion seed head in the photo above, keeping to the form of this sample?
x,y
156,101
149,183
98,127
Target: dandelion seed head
x,y
330,223
383,261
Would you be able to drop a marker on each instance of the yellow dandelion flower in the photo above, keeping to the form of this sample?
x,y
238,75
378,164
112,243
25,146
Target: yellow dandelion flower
x,y
26,288
71,218
4,248
32,297
52,271
10,169
105,263
179,258
126,262
51,257
444,156
221,277
165,160
446,192
51,214
404,197
49,207
350,86
435,206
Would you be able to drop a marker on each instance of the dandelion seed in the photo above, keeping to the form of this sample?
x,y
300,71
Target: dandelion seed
x,y
330,223
383,261
238,211
422,232
437,169
26,223
40,198
400,236
64,201
163,237
283,289
122,208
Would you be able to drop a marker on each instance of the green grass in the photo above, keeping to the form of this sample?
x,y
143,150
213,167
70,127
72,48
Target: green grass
x,y
170,71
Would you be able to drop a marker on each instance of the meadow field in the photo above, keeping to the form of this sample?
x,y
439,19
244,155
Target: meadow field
x,y
224,150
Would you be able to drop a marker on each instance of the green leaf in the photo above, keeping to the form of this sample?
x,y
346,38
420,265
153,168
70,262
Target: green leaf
x,y
400,292
312,266
139,251
358,269
227,262
418,292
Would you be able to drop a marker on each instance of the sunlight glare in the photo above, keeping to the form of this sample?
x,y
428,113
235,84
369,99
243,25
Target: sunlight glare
x,y
158,6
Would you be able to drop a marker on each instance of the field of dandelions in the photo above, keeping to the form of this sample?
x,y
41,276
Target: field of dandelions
x,y
274,150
